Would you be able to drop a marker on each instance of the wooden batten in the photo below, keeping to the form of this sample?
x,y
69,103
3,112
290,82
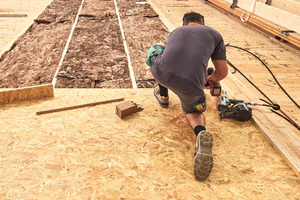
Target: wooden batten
x,y
262,24
13,15
8,96
78,106
275,15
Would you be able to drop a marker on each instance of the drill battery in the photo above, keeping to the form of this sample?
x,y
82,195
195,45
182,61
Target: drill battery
x,y
215,87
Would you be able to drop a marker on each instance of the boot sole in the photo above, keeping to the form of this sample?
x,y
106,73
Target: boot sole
x,y
203,161
164,105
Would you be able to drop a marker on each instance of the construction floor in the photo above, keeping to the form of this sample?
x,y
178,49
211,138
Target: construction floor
x,y
90,153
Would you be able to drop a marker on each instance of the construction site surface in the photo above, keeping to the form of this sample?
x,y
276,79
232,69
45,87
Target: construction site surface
x,y
92,152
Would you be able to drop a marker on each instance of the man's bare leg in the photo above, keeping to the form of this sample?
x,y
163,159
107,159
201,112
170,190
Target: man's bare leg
x,y
203,161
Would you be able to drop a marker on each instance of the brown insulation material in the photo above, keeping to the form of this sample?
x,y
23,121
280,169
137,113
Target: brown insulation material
x,y
90,153
27,93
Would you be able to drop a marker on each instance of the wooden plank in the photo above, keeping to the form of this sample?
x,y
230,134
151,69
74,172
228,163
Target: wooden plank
x,y
273,14
78,106
8,96
261,24
163,18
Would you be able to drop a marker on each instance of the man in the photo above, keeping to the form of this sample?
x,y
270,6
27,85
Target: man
x,y
181,66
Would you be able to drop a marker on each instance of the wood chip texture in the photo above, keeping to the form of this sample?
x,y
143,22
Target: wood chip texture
x,y
90,153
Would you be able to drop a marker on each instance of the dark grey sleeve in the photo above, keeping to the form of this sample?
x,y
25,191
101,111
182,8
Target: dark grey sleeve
x,y
220,50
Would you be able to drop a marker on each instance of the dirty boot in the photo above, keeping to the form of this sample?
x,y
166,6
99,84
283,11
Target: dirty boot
x,y
162,100
203,161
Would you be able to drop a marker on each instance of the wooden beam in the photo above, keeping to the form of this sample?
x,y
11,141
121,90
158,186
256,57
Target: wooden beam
x,y
275,15
261,24
78,106
8,96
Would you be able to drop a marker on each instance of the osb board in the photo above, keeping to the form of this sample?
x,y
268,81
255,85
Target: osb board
x,y
12,27
8,96
91,153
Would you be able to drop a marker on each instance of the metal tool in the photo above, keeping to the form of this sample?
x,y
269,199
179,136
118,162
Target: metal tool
x,y
238,109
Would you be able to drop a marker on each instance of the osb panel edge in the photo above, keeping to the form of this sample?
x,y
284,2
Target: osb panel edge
x,y
26,93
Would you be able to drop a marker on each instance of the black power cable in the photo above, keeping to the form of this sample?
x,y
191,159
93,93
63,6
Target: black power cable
x,y
236,69
228,45
286,117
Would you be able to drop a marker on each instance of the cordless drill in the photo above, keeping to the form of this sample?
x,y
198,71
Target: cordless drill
x,y
215,87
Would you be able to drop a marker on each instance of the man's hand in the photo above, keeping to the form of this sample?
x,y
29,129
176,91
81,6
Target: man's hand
x,y
208,78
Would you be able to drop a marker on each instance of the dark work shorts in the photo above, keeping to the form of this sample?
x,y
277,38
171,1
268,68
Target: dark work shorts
x,y
191,103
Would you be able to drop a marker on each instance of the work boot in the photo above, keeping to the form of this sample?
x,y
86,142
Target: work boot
x,y
203,161
162,100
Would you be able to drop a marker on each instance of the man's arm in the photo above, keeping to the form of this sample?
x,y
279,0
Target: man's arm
x,y
221,70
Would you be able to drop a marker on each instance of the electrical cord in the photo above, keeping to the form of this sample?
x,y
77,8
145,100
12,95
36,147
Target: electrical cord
x,y
236,69
269,71
285,116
